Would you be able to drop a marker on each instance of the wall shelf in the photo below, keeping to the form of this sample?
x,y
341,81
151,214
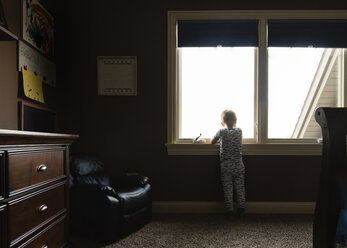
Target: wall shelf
x,y
6,35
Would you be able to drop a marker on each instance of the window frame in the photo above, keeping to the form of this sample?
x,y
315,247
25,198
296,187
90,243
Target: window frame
x,y
261,144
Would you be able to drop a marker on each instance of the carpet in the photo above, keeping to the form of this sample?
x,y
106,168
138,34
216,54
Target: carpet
x,y
215,231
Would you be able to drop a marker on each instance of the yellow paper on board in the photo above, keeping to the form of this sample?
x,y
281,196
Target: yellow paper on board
x,y
32,85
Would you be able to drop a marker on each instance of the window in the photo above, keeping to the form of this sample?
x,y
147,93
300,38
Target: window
x,y
273,68
209,77
304,72
217,69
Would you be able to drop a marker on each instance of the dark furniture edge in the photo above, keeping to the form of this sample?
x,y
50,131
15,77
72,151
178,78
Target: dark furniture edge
x,y
13,137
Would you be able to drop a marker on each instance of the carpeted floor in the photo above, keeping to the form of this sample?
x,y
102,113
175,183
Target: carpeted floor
x,y
183,231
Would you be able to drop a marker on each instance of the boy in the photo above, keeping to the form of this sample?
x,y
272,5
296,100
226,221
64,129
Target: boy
x,y
232,168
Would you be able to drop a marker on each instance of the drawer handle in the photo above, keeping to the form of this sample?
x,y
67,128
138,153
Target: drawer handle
x,y
41,167
44,246
43,208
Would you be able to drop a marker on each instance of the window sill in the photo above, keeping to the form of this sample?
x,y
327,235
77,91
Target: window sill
x,y
248,149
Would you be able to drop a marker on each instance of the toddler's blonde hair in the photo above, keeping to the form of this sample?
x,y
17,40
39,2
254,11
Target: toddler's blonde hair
x,y
228,116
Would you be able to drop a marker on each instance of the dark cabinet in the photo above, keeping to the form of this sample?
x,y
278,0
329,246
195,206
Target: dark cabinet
x,y
2,176
3,238
34,190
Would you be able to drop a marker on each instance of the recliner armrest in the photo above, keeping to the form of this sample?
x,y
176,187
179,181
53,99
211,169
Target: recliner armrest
x,y
92,191
95,210
129,181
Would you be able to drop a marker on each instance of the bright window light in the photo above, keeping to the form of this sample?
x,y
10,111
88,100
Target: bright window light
x,y
291,72
214,79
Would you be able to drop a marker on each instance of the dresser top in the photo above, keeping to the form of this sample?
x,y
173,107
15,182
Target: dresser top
x,y
13,137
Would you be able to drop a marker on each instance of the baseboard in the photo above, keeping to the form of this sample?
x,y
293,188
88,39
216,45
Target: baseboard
x,y
218,207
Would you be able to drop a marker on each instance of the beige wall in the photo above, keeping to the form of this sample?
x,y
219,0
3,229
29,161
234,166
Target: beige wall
x,y
8,68
8,85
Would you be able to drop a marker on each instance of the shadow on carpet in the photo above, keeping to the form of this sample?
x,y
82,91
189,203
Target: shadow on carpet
x,y
215,231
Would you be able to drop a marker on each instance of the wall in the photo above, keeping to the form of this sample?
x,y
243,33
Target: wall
x,y
8,68
129,133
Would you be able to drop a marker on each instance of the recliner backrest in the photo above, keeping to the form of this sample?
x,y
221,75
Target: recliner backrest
x,y
85,169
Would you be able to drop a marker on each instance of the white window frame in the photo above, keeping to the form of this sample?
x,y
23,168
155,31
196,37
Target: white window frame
x,y
260,145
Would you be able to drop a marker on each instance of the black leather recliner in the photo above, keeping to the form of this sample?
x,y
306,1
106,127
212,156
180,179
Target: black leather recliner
x,y
106,209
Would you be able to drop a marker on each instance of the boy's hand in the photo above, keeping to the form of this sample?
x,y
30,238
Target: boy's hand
x,y
215,141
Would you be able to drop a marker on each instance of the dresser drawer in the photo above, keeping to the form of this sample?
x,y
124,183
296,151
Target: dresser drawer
x,y
51,237
2,225
26,169
2,175
28,213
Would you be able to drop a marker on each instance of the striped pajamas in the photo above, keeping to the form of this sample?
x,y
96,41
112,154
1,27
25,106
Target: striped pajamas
x,y
232,176
232,168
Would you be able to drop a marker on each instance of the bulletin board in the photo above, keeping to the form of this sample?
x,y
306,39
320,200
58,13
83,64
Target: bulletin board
x,y
36,62
117,75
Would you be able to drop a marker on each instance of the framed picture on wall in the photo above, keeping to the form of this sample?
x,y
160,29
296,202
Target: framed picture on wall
x,y
117,75
38,27
3,22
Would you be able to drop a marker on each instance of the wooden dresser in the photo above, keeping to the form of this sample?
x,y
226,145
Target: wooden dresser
x,y
34,191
